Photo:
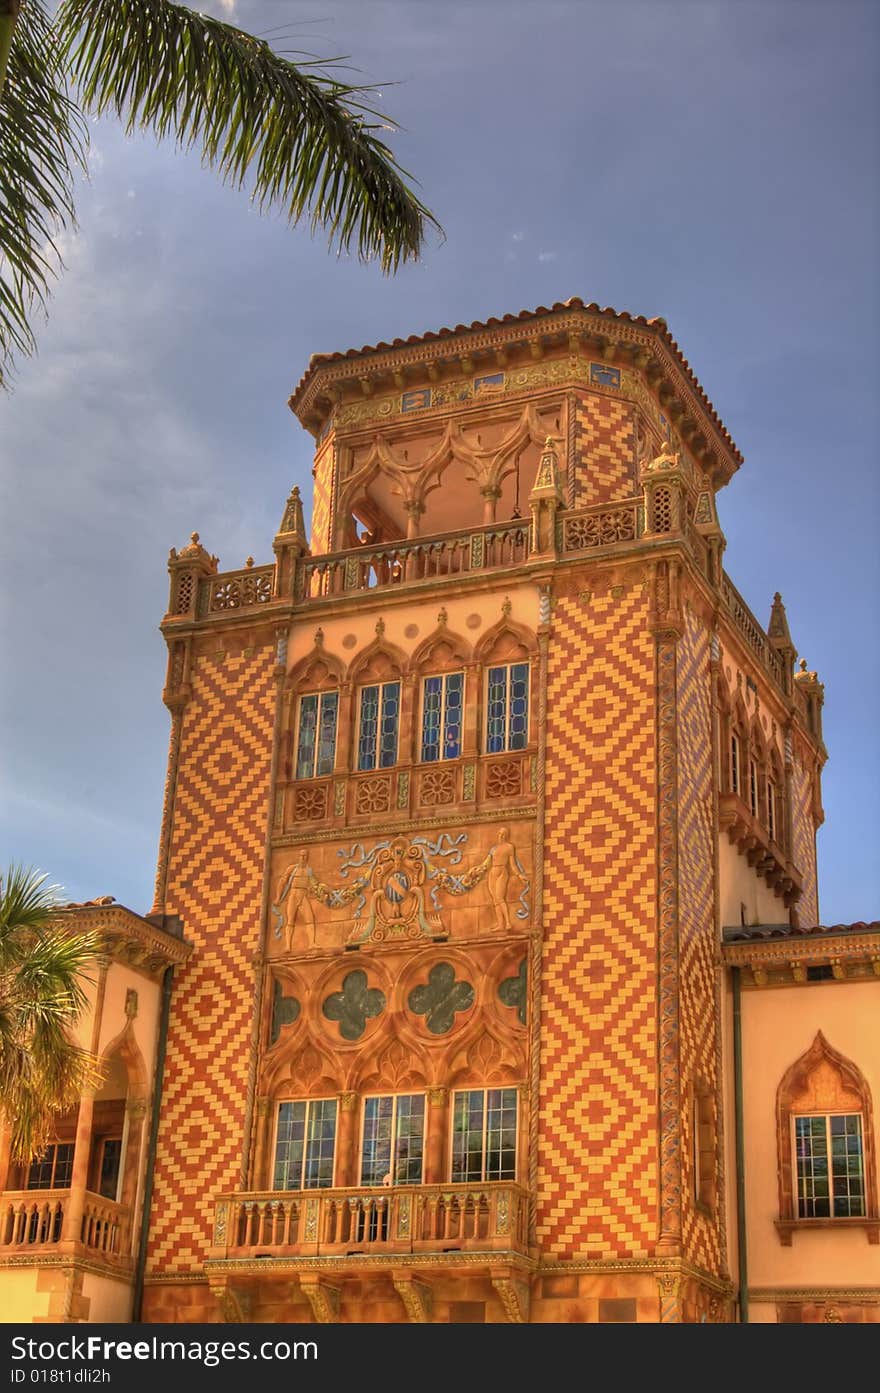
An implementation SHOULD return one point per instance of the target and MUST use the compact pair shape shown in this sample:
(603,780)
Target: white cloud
(546,256)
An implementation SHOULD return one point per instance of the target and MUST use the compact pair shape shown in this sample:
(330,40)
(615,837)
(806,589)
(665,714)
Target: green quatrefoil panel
(512,992)
(440,998)
(354,1005)
(285,1010)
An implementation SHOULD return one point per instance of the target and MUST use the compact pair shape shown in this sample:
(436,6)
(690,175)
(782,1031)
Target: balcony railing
(422,558)
(405,1219)
(32,1221)
(752,632)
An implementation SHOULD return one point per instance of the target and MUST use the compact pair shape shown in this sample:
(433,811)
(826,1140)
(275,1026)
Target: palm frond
(42,140)
(308,142)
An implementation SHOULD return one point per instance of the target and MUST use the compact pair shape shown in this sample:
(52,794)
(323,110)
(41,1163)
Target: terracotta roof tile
(754,932)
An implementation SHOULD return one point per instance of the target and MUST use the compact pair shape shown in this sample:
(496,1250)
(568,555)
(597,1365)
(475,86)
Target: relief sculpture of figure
(503,863)
(296,886)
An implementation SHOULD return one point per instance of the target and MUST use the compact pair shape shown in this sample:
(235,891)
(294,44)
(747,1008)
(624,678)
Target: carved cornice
(866,1295)
(127,937)
(784,960)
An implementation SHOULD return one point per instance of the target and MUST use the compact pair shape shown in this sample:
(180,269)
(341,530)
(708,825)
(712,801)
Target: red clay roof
(753,933)
(318,360)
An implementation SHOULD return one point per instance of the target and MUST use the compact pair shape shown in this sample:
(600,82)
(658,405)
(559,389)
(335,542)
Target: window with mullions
(316,741)
(111,1161)
(830,1166)
(442,699)
(377,728)
(484,1134)
(52,1170)
(507,709)
(305,1144)
(393,1139)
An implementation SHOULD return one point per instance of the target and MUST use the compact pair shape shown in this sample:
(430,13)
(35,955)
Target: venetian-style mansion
(484,979)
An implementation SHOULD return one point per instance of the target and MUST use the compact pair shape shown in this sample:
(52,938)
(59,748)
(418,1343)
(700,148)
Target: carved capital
(348,1102)
(236,1303)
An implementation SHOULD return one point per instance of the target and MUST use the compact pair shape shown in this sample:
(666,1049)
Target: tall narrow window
(316,741)
(377,728)
(753,788)
(507,710)
(393,1140)
(772,797)
(305,1144)
(52,1170)
(441,716)
(734,765)
(830,1166)
(108,1175)
(484,1134)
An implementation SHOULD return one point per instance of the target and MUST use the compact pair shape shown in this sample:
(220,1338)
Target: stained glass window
(442,699)
(484,1134)
(316,740)
(305,1144)
(830,1166)
(52,1170)
(393,1139)
(378,726)
(507,710)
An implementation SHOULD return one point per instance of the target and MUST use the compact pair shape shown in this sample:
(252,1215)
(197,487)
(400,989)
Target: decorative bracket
(236,1303)
(515,1294)
(323,1297)
(417,1297)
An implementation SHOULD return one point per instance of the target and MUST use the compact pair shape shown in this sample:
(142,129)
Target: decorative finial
(249,562)
(172,555)
(442,618)
(319,638)
(380,627)
(803,664)
(506,607)
(194,538)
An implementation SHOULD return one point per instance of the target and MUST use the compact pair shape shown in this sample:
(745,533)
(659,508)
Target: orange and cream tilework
(804,843)
(214,884)
(697,933)
(597,1153)
(604,451)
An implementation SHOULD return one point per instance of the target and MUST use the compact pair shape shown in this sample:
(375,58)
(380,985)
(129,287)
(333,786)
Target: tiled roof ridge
(742,933)
(318,360)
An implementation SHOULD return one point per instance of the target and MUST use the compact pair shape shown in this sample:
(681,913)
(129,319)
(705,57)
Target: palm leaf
(42,139)
(307,142)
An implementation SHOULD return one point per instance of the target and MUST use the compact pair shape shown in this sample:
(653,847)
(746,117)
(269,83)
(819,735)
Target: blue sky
(711,163)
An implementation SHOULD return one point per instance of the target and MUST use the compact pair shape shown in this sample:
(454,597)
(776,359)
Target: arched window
(825,1140)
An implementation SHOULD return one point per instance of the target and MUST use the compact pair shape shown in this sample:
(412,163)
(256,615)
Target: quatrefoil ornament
(441,998)
(354,1005)
(285,1010)
(512,992)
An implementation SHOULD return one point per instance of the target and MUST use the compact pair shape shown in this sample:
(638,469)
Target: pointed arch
(126,1048)
(443,650)
(392,1067)
(507,642)
(820,1083)
(318,671)
(380,661)
(302,1070)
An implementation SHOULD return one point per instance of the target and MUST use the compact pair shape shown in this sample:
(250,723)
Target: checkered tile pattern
(597,1151)
(604,451)
(321,505)
(697,949)
(804,844)
(214,882)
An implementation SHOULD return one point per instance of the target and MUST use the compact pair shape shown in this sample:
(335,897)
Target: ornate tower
(459,797)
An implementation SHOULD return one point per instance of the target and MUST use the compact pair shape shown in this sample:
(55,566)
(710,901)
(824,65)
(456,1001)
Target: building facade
(496,988)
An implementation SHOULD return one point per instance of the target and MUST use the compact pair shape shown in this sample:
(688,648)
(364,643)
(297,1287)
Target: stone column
(346,1156)
(76,1203)
(435,1136)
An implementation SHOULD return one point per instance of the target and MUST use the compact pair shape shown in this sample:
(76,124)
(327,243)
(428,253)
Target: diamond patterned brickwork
(321,503)
(214,882)
(697,947)
(597,1152)
(804,843)
(605,467)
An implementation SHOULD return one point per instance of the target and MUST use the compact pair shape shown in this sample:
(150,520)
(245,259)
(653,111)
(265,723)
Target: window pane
(409,1141)
(390,718)
(431,698)
(289,1146)
(40,1171)
(368,728)
(496,713)
(327,740)
(454,685)
(501,1134)
(377,1140)
(308,721)
(318,1170)
(829,1185)
(64,1165)
(467,1136)
(519,706)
